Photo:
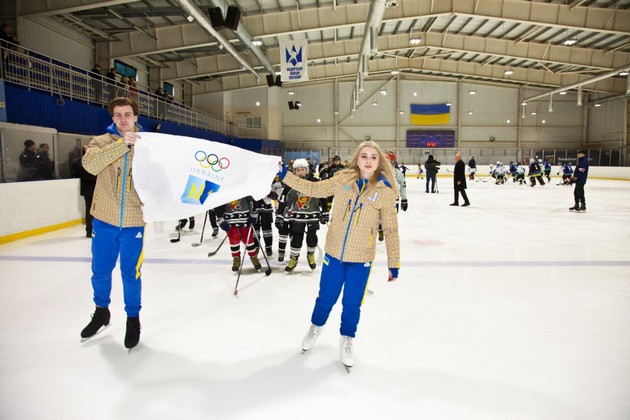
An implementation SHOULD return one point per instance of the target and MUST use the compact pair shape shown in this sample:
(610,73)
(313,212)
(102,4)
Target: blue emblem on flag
(293,56)
(198,189)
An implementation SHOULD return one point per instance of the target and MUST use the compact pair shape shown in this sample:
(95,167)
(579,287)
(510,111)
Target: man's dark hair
(121,101)
(28,143)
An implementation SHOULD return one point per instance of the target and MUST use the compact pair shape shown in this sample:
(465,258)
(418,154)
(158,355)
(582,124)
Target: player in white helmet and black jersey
(299,214)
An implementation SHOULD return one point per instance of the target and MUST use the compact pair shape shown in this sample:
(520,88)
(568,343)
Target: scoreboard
(430,138)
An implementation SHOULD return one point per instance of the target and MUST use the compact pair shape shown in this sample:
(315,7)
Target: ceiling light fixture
(395,72)
(472,92)
(623,73)
(257,42)
(508,72)
(383,92)
(569,42)
(374,103)
(189,18)
(291,92)
(564,92)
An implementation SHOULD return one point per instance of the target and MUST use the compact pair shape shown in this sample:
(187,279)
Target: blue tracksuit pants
(353,278)
(108,242)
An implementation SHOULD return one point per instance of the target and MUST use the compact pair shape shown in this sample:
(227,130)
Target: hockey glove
(252,219)
(393,274)
(403,204)
(224,225)
(273,195)
(324,218)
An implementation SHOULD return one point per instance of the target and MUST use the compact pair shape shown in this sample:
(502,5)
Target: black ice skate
(215,232)
(100,318)
(132,336)
(191,224)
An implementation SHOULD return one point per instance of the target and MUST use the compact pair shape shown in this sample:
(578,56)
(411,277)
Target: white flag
(177,177)
(293,60)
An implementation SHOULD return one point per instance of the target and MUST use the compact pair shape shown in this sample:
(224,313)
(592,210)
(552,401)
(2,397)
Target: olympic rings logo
(212,161)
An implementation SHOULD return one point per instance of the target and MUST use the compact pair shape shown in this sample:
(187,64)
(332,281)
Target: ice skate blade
(84,339)
(347,368)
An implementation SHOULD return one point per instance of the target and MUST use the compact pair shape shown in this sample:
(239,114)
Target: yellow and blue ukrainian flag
(432,114)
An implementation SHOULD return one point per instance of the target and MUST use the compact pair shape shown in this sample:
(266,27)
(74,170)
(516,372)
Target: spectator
(8,42)
(133,89)
(45,166)
(111,83)
(459,181)
(432,167)
(160,102)
(97,82)
(28,161)
(123,87)
(579,177)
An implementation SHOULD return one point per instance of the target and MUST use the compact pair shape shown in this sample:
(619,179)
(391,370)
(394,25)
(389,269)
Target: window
(168,88)
(124,70)
(253,122)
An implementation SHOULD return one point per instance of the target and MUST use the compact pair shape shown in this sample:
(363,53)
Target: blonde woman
(365,194)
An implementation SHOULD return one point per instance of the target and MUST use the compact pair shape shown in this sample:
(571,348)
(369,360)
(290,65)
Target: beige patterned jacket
(110,159)
(355,218)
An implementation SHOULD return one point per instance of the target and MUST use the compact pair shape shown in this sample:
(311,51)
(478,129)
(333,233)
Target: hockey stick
(240,267)
(211,253)
(179,236)
(268,271)
(203,229)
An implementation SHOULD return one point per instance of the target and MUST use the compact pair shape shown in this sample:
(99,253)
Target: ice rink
(512,308)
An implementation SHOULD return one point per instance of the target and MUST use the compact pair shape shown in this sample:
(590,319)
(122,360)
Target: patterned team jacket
(115,199)
(355,218)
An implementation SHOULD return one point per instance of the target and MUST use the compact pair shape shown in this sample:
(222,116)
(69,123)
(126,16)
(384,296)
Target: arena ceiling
(554,44)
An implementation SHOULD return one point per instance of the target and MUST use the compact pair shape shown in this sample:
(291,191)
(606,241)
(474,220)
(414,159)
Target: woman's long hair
(351,173)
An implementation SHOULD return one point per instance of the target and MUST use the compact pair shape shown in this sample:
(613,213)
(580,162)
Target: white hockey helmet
(300,163)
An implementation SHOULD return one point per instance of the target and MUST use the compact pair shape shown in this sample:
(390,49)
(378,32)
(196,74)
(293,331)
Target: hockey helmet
(300,163)
(391,156)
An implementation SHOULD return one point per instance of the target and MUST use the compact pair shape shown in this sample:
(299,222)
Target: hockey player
(513,172)
(500,173)
(567,173)
(472,168)
(402,189)
(236,219)
(535,173)
(302,214)
(580,175)
(547,168)
(264,222)
(520,174)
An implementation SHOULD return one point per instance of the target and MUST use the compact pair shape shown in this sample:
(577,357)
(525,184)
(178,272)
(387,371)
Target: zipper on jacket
(359,215)
(345,238)
(122,200)
(347,208)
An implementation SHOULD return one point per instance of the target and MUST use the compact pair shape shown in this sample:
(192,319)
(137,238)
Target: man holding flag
(118,225)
